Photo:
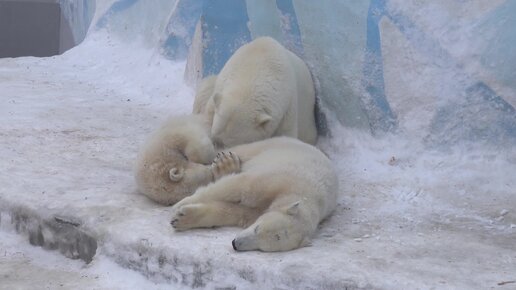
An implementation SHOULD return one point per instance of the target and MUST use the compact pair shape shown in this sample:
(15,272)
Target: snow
(55,113)
(24,267)
(408,216)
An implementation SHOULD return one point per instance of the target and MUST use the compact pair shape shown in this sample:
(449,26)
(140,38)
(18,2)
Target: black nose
(217,143)
(233,243)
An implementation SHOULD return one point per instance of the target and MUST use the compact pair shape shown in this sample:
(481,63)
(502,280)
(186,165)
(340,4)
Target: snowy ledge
(145,243)
(53,233)
(208,262)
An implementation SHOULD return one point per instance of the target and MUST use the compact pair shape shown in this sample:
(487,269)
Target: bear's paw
(225,163)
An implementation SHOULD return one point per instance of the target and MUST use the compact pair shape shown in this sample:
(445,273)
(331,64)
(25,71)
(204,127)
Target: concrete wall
(42,27)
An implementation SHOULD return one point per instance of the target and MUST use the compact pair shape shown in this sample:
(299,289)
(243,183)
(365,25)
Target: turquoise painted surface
(79,14)
(500,56)
(342,41)
(472,111)
(117,7)
(290,27)
(264,19)
(181,27)
(334,42)
(224,31)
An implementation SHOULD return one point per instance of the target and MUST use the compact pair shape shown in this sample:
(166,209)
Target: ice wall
(440,71)
(78,15)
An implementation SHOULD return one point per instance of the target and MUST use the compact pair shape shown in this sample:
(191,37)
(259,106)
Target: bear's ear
(176,174)
(216,99)
(263,119)
(293,209)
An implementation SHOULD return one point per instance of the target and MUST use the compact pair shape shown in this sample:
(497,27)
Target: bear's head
(174,161)
(276,230)
(240,121)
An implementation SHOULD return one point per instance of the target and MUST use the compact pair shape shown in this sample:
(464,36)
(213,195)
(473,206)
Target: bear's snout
(217,142)
(246,243)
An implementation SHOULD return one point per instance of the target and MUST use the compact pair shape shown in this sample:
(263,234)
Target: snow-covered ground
(23,266)
(70,126)
(55,113)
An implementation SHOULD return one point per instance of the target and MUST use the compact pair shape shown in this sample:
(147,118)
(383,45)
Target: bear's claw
(224,164)
(186,217)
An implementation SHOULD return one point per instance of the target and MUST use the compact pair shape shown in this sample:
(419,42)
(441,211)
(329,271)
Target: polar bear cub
(175,160)
(263,90)
(285,188)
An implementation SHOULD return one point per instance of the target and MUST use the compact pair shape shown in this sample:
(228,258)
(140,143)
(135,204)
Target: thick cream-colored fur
(264,90)
(284,189)
(175,160)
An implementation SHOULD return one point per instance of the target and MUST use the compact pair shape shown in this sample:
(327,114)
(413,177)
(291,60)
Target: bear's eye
(256,229)
(183,155)
(277,237)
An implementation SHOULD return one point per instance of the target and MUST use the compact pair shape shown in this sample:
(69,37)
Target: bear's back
(288,156)
(306,171)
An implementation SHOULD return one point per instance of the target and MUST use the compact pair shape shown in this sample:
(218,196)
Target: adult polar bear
(285,188)
(263,90)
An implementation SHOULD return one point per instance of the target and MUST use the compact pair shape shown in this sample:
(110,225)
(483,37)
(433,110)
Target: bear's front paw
(224,164)
(186,217)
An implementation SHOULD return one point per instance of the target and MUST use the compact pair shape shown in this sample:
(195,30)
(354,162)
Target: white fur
(203,94)
(264,90)
(285,188)
(172,163)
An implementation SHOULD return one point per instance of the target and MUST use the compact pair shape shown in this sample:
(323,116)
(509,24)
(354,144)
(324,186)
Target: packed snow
(23,266)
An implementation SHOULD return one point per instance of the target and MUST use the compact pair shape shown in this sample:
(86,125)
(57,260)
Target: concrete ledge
(209,262)
(63,234)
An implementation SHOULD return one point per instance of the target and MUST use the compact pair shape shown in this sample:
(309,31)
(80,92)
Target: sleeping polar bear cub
(285,188)
(172,163)
(263,90)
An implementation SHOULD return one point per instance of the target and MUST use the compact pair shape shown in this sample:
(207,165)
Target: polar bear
(204,91)
(285,188)
(263,90)
(175,160)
